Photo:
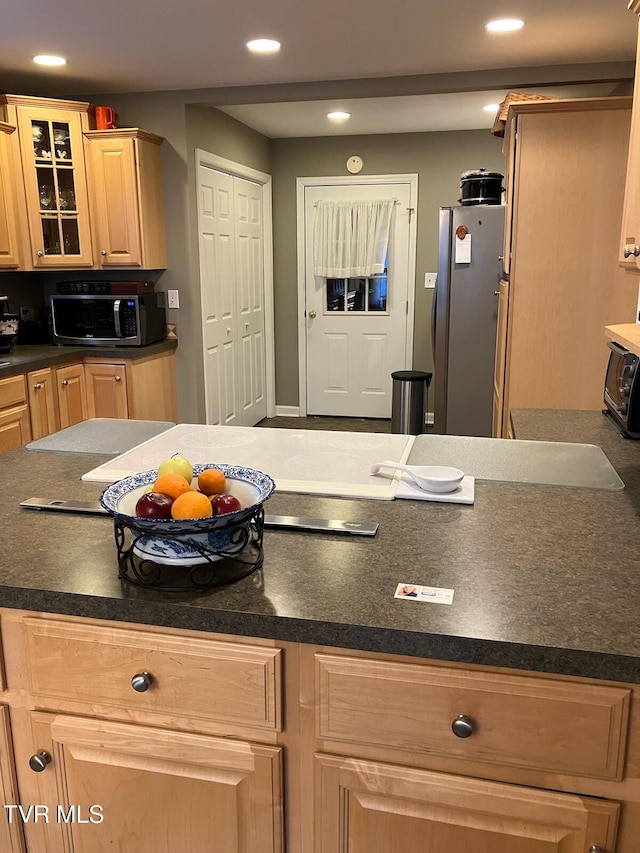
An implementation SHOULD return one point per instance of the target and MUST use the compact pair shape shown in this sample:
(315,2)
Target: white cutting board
(319,462)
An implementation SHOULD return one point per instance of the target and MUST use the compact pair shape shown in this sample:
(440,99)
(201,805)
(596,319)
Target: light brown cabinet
(629,255)
(51,152)
(15,428)
(71,394)
(359,746)
(43,409)
(565,282)
(10,251)
(142,389)
(191,762)
(127,209)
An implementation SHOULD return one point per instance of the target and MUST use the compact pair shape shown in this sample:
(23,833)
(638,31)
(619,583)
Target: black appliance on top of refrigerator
(464,318)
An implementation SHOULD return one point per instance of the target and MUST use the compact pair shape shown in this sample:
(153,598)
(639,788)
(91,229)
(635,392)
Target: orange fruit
(171,484)
(191,504)
(212,481)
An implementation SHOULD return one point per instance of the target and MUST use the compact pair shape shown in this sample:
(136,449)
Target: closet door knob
(312,314)
(39,761)
(462,726)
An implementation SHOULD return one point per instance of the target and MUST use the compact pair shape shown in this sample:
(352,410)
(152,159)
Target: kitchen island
(341,687)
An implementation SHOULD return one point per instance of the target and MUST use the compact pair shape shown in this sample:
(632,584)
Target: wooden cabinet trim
(538,724)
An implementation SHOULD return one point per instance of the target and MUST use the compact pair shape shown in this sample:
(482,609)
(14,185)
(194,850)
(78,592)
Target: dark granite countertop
(25,357)
(545,577)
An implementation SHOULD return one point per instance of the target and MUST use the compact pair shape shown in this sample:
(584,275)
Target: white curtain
(350,238)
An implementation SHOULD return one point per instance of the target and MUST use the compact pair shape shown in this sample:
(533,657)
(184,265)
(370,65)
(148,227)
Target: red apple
(154,505)
(225,503)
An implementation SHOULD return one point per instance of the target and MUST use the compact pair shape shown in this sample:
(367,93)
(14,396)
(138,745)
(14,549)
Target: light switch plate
(173,299)
(430,280)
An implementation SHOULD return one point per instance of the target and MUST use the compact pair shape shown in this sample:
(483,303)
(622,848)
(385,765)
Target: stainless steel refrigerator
(464,316)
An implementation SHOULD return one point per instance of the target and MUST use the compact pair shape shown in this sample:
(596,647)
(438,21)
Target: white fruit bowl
(171,541)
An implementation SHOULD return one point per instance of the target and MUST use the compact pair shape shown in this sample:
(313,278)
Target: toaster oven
(622,389)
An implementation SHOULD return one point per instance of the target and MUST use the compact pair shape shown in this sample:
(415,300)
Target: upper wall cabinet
(83,199)
(51,150)
(630,237)
(9,227)
(126,198)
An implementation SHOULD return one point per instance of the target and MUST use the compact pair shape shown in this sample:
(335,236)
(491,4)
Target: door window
(357,295)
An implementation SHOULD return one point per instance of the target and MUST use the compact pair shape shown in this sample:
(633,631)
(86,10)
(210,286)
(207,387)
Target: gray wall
(438,159)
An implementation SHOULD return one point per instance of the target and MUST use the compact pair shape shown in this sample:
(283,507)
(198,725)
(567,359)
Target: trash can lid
(412,376)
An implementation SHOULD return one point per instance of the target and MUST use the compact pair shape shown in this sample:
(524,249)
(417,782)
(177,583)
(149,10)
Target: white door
(356,329)
(232,293)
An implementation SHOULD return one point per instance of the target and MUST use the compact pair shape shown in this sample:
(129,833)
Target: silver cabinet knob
(142,681)
(39,761)
(631,250)
(312,313)
(462,726)
(65,382)
(103,253)
(595,849)
(496,293)
(118,378)
(39,254)
(37,386)
(501,257)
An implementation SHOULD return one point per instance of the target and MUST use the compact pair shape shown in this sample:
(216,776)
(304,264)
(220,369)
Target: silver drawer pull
(142,681)
(631,250)
(462,726)
(39,761)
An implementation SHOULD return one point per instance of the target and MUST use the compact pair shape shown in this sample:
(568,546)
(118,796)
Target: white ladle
(429,478)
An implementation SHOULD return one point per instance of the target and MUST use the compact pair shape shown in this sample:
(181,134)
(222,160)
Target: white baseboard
(288,411)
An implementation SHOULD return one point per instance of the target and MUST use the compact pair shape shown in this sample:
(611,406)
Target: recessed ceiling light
(504,25)
(338,115)
(44,59)
(263,46)
(491,108)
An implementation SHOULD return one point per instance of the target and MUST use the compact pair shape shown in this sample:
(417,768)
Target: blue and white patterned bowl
(219,532)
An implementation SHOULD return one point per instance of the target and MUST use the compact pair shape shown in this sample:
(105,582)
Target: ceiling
(390,64)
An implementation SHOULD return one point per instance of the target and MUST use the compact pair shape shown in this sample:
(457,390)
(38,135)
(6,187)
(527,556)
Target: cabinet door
(9,246)
(153,791)
(127,206)
(115,201)
(106,390)
(72,396)
(14,427)
(42,402)
(51,148)
(500,405)
(367,807)
(11,834)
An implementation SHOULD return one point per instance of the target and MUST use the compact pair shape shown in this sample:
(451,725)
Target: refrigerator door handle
(433,323)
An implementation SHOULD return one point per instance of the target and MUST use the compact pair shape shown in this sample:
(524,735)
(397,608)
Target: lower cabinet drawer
(184,676)
(537,723)
(13,391)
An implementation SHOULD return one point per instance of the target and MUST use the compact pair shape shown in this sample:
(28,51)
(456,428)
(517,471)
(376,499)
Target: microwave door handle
(116,317)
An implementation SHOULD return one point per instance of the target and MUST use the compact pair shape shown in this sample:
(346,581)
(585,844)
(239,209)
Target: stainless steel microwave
(106,319)
(622,389)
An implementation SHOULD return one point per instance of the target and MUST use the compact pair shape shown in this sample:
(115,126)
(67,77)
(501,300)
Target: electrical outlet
(26,312)
(174,299)
(171,330)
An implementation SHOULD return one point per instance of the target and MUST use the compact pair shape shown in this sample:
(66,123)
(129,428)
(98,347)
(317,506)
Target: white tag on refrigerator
(463,250)
(430,594)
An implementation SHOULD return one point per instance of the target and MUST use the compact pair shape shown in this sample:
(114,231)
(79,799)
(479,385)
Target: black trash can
(408,401)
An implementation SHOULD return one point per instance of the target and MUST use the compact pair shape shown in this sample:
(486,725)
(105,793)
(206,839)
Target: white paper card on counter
(463,250)
(428,594)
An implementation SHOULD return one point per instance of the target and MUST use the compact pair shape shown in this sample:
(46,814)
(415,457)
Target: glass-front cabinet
(53,166)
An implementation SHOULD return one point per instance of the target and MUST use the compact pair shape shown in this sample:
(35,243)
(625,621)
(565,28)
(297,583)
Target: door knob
(39,761)
(312,314)
(142,681)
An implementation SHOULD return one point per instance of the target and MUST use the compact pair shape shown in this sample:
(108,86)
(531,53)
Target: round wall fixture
(355,164)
